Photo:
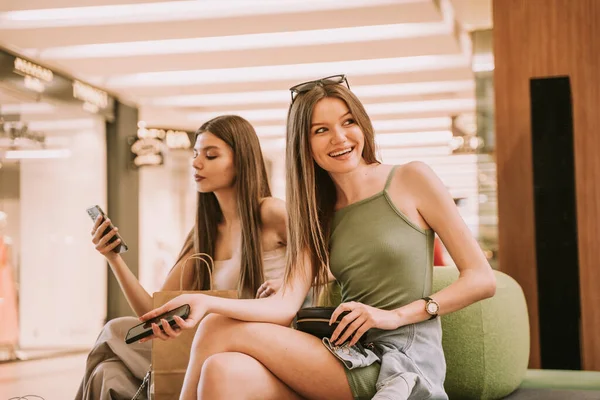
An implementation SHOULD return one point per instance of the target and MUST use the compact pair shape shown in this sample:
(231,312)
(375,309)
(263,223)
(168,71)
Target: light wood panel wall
(538,38)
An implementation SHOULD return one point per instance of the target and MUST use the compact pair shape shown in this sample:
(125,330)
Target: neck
(351,186)
(227,199)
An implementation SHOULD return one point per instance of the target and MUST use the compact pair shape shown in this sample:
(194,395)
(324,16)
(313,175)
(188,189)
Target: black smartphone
(145,328)
(94,212)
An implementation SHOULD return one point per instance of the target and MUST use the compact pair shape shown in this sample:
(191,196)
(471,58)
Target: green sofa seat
(561,379)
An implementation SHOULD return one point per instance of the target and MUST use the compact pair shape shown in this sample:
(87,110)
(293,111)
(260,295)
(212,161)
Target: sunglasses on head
(306,86)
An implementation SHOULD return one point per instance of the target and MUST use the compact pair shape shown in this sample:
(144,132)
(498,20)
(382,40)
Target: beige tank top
(226,273)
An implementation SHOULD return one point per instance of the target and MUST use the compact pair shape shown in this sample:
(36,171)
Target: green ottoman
(486,344)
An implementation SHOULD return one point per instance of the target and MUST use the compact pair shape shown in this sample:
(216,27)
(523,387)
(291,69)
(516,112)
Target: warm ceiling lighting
(243,42)
(283,96)
(295,72)
(168,11)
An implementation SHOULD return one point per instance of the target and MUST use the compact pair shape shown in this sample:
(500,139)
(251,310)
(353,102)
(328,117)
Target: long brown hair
(310,193)
(251,186)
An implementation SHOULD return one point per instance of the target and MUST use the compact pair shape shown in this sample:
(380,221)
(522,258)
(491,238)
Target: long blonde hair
(252,185)
(310,193)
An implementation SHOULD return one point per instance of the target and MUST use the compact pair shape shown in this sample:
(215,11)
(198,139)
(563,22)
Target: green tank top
(378,256)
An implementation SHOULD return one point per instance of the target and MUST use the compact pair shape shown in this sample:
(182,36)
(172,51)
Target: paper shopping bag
(170,358)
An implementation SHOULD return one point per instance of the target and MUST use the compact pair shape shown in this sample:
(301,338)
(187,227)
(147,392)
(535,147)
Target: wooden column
(533,39)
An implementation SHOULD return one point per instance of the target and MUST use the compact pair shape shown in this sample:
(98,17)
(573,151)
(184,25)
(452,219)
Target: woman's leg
(297,359)
(112,359)
(238,376)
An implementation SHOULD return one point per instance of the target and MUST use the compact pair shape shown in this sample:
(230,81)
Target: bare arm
(476,280)
(137,297)
(277,309)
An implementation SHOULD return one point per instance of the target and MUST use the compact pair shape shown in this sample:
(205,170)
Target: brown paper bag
(170,358)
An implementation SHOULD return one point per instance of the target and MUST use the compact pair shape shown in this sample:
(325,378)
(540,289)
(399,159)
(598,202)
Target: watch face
(432,308)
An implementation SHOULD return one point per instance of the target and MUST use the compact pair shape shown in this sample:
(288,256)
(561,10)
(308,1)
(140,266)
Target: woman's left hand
(360,319)
(269,288)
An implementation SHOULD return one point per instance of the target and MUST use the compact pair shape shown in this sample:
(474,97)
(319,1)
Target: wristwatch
(431,307)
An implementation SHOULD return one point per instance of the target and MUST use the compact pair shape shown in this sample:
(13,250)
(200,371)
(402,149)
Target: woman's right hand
(101,241)
(198,310)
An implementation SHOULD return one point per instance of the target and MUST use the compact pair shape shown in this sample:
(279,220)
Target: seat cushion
(486,344)
(561,380)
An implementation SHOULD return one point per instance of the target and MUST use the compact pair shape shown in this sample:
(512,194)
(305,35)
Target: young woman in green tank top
(369,224)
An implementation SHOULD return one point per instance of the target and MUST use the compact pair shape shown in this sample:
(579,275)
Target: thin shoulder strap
(389,178)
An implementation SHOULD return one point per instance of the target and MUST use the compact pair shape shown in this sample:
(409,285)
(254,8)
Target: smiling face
(213,163)
(336,140)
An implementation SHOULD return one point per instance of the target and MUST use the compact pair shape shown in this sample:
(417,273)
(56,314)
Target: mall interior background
(99,101)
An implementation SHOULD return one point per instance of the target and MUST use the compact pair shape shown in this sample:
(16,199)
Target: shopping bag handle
(200,257)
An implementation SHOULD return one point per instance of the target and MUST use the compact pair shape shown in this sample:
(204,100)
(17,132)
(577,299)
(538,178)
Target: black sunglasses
(306,86)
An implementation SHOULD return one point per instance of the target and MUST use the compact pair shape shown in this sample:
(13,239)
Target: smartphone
(145,328)
(94,212)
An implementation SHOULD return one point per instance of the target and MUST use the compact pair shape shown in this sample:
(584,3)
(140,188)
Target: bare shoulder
(415,172)
(413,178)
(273,212)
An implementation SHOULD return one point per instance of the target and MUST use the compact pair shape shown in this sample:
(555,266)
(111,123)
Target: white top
(226,273)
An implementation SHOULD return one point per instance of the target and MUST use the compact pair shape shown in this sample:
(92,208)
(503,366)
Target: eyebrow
(206,148)
(321,123)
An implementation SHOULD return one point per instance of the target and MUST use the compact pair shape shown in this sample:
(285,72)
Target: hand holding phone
(104,234)
(145,328)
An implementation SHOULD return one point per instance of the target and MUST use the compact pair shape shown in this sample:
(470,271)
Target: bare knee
(211,331)
(220,374)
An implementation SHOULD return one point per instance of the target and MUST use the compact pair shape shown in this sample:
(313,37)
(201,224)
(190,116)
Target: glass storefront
(53,167)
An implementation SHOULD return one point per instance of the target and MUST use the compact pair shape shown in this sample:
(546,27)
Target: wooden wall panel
(537,38)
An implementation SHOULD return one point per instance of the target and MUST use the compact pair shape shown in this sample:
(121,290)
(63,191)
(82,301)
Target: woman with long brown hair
(372,227)
(238,224)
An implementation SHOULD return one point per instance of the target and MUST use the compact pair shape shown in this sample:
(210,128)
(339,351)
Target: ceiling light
(167,11)
(296,72)
(282,96)
(244,42)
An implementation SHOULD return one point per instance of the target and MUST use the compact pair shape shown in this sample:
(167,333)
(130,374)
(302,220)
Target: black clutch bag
(315,320)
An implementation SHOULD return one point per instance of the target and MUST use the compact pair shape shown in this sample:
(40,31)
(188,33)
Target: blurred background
(99,101)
